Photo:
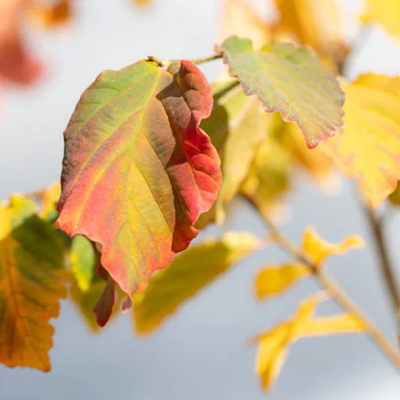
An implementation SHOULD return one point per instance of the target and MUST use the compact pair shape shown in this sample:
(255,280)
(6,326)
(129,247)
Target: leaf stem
(386,266)
(334,290)
(163,63)
(206,59)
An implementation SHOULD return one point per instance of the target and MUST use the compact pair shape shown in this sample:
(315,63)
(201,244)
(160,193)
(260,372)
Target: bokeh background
(201,353)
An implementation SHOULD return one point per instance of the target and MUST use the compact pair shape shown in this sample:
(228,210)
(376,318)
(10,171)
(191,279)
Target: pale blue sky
(201,353)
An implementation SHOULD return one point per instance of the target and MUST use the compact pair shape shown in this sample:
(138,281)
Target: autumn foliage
(153,153)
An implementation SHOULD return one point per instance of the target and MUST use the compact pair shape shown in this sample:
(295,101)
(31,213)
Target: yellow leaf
(369,148)
(240,18)
(314,162)
(275,279)
(386,13)
(335,324)
(274,344)
(315,23)
(32,281)
(49,199)
(318,249)
(188,273)
(270,172)
(271,355)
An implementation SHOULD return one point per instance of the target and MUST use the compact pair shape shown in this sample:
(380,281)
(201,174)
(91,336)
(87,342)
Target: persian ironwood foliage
(153,153)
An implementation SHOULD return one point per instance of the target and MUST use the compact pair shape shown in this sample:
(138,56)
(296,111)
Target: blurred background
(201,352)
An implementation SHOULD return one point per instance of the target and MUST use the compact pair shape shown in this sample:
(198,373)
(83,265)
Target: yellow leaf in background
(83,261)
(271,355)
(318,249)
(274,344)
(315,23)
(188,273)
(394,197)
(369,148)
(52,14)
(315,163)
(386,13)
(241,19)
(335,324)
(275,279)
(49,198)
(270,172)
(32,281)
(236,127)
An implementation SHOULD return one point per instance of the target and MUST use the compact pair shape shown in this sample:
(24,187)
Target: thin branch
(387,268)
(335,291)
(163,63)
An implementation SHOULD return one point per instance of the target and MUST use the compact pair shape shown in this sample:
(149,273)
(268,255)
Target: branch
(387,269)
(163,63)
(334,290)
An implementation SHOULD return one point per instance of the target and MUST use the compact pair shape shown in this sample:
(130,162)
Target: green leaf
(82,258)
(289,80)
(187,275)
(32,281)
(236,126)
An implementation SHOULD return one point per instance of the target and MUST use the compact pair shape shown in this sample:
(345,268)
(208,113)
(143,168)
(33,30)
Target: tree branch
(387,269)
(334,290)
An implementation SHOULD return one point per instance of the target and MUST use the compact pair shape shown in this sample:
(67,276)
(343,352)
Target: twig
(334,290)
(387,269)
(163,63)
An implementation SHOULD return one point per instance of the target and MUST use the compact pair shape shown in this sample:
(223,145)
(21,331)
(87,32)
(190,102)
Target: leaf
(314,23)
(369,148)
(318,249)
(291,81)
(16,64)
(316,164)
(187,275)
(238,17)
(394,198)
(82,259)
(137,170)
(57,13)
(236,127)
(49,198)
(85,302)
(271,171)
(386,13)
(103,308)
(32,281)
(274,344)
(275,279)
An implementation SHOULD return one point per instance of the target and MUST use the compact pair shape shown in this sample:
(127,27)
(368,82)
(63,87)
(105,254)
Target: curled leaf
(137,169)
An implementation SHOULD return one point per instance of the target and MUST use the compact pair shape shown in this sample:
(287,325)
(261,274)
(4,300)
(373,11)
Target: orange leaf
(32,281)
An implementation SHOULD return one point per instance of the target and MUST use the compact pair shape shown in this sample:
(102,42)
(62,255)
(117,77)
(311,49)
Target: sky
(202,352)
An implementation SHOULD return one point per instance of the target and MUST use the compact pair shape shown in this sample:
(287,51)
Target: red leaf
(16,64)
(138,170)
